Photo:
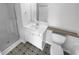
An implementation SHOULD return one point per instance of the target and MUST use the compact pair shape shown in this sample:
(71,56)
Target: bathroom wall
(64,16)
(60,15)
(28,11)
(8,27)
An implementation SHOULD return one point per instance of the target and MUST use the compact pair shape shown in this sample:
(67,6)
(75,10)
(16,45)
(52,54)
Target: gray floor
(29,49)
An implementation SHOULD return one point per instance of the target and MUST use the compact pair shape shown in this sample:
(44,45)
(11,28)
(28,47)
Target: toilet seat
(56,49)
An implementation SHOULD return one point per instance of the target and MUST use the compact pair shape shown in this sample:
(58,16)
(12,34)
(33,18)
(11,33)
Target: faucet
(37,24)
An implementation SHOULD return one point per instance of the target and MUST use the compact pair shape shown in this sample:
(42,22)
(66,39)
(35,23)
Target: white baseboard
(48,42)
(11,47)
(24,41)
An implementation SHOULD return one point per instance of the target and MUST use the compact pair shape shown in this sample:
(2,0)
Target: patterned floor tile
(29,49)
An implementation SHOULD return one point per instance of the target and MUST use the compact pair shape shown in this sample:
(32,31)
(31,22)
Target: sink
(37,26)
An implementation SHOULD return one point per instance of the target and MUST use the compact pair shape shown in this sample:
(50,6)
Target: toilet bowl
(56,49)
(56,40)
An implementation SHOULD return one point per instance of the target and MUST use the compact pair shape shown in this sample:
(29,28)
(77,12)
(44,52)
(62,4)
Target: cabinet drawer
(29,35)
(32,37)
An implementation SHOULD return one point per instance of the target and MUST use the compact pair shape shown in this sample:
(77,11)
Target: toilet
(56,41)
(72,45)
(56,49)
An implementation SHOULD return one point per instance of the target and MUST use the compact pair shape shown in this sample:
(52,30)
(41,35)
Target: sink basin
(37,26)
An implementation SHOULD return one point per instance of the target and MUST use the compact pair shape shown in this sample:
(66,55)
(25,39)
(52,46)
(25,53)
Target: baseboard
(67,51)
(11,47)
(24,41)
(48,42)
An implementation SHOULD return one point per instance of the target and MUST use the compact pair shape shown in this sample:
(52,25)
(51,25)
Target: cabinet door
(8,26)
(36,40)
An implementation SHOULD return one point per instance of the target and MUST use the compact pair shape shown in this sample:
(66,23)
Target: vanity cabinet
(34,34)
(36,37)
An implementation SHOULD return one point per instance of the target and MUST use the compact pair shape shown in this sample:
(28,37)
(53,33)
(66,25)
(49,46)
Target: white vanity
(35,33)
